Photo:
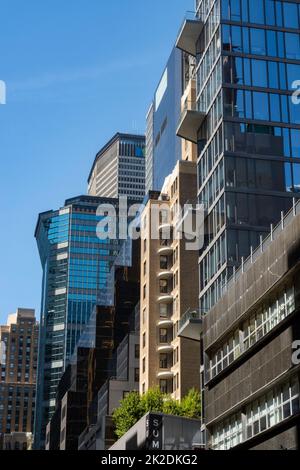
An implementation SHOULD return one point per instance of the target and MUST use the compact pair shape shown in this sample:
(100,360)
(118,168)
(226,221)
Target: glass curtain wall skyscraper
(163,147)
(76,264)
(245,123)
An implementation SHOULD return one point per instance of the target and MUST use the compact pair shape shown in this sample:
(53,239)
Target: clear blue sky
(76,71)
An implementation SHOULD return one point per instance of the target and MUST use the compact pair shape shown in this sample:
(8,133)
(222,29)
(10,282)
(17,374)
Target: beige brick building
(169,288)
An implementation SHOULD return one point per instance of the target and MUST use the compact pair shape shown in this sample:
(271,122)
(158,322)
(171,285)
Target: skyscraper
(169,288)
(245,124)
(18,362)
(119,168)
(163,147)
(76,264)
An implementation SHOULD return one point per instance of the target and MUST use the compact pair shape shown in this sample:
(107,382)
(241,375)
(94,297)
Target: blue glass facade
(76,265)
(248,57)
(165,148)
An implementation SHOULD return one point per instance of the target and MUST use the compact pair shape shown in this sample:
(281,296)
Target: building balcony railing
(165,348)
(165,274)
(189,33)
(165,374)
(190,324)
(165,322)
(165,298)
(190,120)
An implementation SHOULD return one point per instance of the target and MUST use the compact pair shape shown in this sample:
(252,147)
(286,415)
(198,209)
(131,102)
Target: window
(163,385)
(163,286)
(228,434)
(163,335)
(144,340)
(255,328)
(137,351)
(163,262)
(163,361)
(264,413)
(163,310)
(144,365)
(225,355)
(136,375)
(271,409)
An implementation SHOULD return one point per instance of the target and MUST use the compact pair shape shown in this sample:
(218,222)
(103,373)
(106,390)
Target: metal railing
(191,314)
(190,105)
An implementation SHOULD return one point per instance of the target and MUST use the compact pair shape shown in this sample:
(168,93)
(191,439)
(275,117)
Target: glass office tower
(245,123)
(163,147)
(76,264)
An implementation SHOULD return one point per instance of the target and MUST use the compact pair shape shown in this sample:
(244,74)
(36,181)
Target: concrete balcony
(190,325)
(190,121)
(165,323)
(165,348)
(165,274)
(189,33)
(165,298)
(165,226)
(165,374)
(165,248)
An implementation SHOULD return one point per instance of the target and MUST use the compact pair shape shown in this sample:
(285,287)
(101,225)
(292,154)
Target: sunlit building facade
(245,124)
(76,265)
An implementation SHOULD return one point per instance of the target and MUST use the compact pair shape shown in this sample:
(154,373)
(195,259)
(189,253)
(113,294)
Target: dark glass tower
(245,123)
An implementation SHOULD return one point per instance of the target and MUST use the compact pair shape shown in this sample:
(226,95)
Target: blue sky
(76,72)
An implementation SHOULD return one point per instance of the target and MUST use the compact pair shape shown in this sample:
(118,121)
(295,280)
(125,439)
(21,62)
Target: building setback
(18,363)
(245,124)
(119,168)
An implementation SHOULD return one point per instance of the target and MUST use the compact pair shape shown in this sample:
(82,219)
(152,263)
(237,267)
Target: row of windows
(260,106)
(211,296)
(260,73)
(213,117)
(214,221)
(272,408)
(252,330)
(213,261)
(211,23)
(209,58)
(210,156)
(262,174)
(214,185)
(268,12)
(261,42)
(262,140)
(211,87)
(254,209)
(128,149)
